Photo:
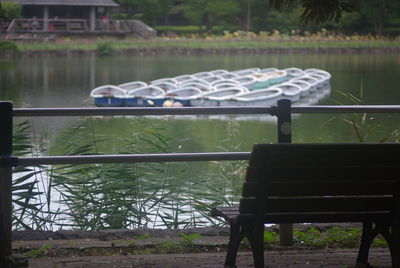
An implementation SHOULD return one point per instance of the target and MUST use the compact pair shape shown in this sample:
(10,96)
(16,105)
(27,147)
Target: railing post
(284,115)
(6,109)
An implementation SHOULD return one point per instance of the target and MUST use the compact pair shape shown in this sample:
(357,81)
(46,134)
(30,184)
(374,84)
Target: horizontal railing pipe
(131,158)
(346,109)
(33,112)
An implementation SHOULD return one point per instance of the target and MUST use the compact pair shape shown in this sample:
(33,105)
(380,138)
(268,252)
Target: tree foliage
(378,12)
(210,12)
(319,11)
(348,16)
(149,10)
(9,10)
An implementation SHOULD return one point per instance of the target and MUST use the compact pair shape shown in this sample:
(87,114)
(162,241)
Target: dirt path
(148,248)
(274,259)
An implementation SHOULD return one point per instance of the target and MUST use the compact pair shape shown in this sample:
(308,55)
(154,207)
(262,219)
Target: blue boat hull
(109,102)
(137,102)
(158,102)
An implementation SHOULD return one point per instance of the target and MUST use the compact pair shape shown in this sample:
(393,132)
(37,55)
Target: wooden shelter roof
(108,3)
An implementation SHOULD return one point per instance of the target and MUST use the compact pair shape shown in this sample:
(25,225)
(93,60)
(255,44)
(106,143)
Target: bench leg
(391,235)
(368,235)
(235,237)
(394,246)
(255,234)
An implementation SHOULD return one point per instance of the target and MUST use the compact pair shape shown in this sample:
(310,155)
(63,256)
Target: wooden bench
(316,183)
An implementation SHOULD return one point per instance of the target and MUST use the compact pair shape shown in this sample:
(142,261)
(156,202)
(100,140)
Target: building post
(284,115)
(92,19)
(5,182)
(46,18)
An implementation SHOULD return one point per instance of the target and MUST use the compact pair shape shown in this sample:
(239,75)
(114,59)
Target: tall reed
(31,192)
(115,195)
(365,127)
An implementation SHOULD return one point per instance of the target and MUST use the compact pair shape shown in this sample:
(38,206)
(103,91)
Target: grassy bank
(208,44)
(229,43)
(310,238)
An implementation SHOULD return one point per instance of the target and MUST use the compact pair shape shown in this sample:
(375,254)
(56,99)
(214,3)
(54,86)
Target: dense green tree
(319,11)
(343,15)
(266,18)
(129,6)
(377,13)
(150,10)
(259,15)
(245,15)
(210,12)
(194,11)
(9,10)
(347,16)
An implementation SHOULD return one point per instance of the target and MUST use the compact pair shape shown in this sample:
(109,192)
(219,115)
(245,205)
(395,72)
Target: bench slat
(314,183)
(318,188)
(319,204)
(314,217)
(315,173)
(325,154)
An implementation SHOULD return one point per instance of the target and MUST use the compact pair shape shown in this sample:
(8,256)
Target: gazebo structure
(73,17)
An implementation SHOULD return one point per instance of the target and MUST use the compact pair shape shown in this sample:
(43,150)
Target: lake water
(67,82)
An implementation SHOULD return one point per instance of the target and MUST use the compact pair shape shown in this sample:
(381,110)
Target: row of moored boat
(246,87)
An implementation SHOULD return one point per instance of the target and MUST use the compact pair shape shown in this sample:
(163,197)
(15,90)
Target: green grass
(37,253)
(312,238)
(207,44)
(335,237)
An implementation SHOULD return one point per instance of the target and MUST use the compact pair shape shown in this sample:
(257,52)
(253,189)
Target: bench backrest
(322,182)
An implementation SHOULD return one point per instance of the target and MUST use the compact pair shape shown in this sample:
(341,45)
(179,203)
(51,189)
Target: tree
(320,11)
(150,10)
(246,15)
(194,11)
(210,12)
(316,11)
(377,12)
(130,7)
(265,18)
(10,11)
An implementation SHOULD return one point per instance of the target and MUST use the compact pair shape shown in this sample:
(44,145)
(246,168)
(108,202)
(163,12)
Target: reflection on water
(66,82)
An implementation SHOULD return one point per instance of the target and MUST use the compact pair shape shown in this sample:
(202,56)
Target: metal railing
(283,111)
(76,26)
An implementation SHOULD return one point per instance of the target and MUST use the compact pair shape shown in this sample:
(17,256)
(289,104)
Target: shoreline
(329,245)
(186,51)
(113,234)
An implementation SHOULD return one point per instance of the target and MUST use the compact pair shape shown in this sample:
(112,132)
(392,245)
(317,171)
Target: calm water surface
(67,82)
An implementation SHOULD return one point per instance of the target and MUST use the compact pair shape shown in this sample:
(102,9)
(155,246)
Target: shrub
(105,49)
(9,46)
(119,16)
(192,29)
